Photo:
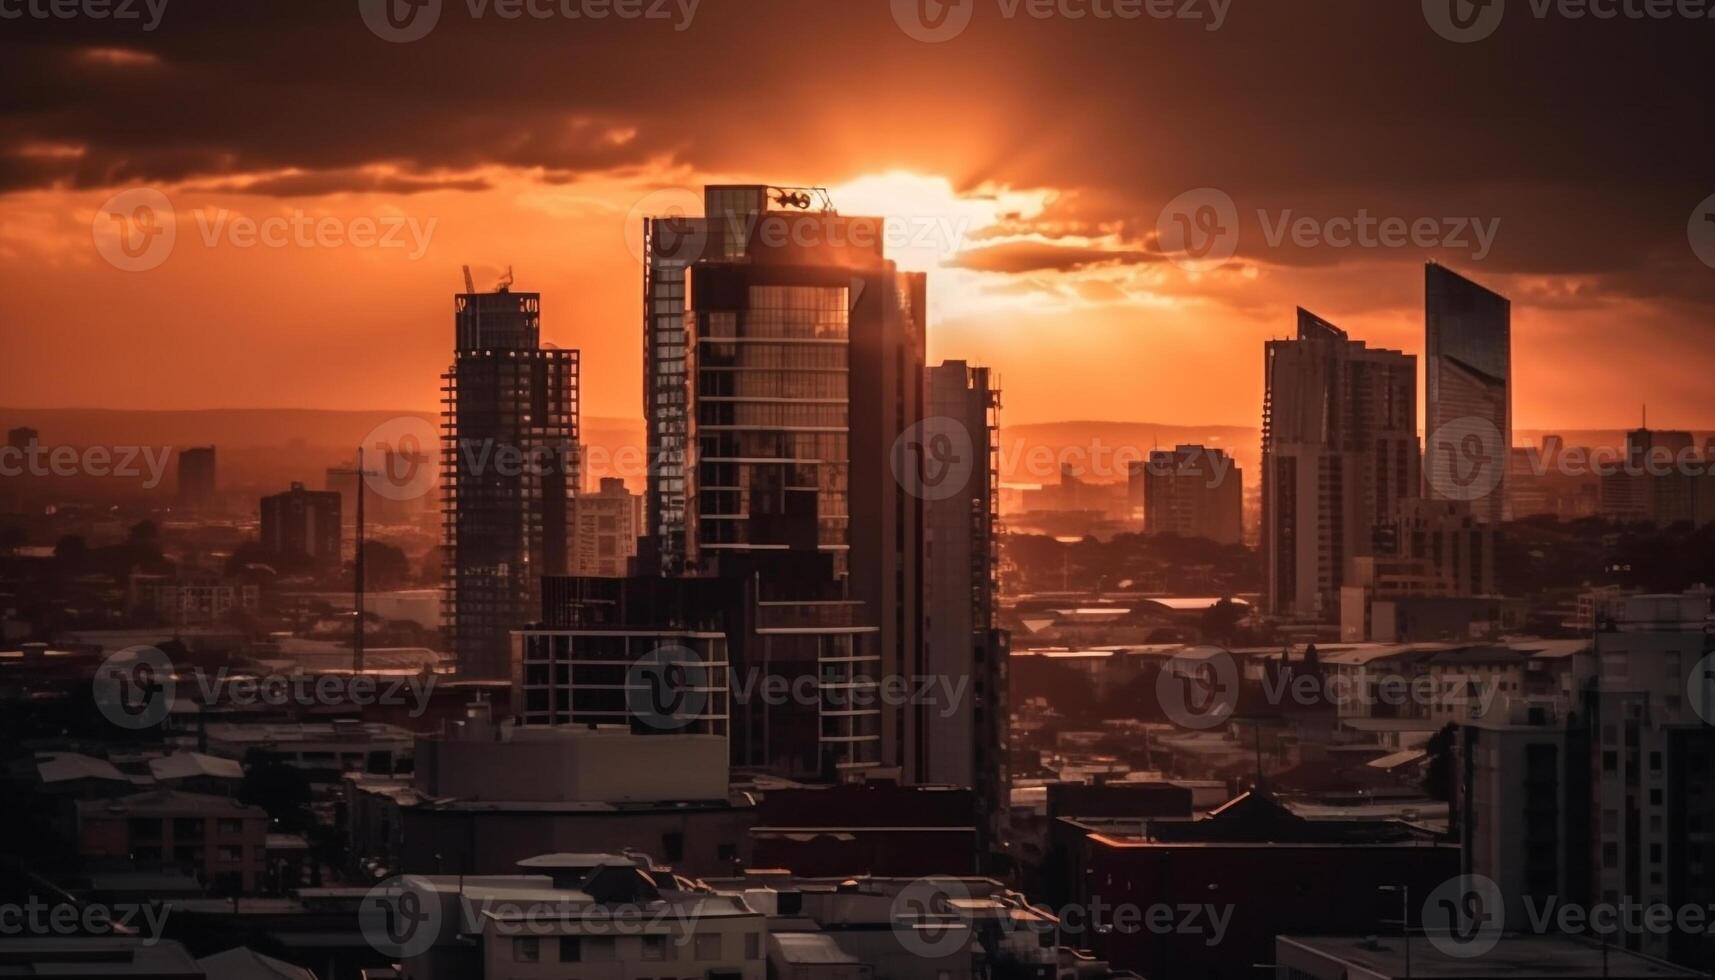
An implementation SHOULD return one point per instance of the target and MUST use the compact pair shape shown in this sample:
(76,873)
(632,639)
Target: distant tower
(1339,450)
(197,484)
(1468,385)
(509,469)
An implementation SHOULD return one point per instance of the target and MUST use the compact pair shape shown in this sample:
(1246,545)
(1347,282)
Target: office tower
(1447,536)
(965,742)
(1655,481)
(605,527)
(1339,451)
(1193,492)
(671,244)
(1468,391)
(196,478)
(809,368)
(303,523)
(508,469)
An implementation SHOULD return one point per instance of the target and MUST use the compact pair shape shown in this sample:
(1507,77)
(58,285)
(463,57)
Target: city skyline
(1026,248)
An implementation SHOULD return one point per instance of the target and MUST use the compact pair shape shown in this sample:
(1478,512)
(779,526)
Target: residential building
(605,526)
(197,483)
(1339,453)
(303,523)
(509,470)
(217,838)
(1402,957)
(1193,492)
(964,743)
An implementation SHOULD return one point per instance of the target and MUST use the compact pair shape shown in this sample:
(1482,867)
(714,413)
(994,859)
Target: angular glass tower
(1468,392)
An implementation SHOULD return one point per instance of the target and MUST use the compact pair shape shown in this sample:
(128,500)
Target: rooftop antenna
(505,283)
(359,475)
(469,283)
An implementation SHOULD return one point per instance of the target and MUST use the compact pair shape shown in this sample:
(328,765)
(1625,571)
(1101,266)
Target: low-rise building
(219,839)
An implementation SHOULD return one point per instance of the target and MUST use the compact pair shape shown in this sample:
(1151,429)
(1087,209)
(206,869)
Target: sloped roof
(246,964)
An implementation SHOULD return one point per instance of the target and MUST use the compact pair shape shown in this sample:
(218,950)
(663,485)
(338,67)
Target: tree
(1221,621)
(384,566)
(281,789)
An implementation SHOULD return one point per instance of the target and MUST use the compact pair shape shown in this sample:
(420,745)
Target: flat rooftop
(1514,957)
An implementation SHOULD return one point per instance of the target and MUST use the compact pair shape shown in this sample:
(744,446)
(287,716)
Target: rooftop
(1514,957)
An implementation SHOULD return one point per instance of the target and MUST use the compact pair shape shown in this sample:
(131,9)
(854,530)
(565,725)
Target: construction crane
(360,475)
(469,283)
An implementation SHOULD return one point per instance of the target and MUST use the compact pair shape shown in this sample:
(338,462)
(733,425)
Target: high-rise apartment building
(605,525)
(509,470)
(303,522)
(1662,480)
(1604,798)
(197,484)
(1468,392)
(964,744)
(1339,451)
(1192,492)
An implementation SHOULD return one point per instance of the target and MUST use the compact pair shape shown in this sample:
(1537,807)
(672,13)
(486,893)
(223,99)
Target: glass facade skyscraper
(1468,392)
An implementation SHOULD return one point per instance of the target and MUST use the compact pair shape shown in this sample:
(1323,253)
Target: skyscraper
(809,367)
(197,484)
(1468,391)
(509,469)
(1339,450)
(965,743)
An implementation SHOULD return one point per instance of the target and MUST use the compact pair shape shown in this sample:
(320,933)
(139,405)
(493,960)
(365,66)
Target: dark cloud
(1036,256)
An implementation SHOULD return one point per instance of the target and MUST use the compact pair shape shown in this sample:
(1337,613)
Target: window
(526,950)
(709,946)
(571,950)
(655,949)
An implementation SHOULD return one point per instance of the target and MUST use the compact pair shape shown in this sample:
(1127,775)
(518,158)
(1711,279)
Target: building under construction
(509,469)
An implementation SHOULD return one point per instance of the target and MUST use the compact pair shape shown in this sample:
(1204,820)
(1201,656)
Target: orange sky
(1032,196)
